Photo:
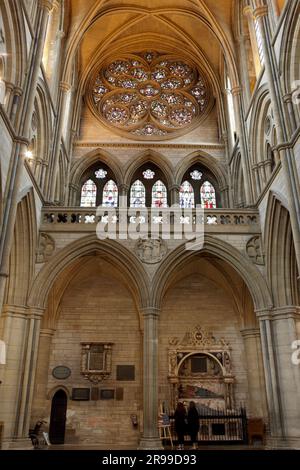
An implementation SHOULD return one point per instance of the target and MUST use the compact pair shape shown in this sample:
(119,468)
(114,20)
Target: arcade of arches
(184,113)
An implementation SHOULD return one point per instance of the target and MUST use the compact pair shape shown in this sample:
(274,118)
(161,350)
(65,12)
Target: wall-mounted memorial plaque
(61,372)
(107,394)
(125,372)
(81,394)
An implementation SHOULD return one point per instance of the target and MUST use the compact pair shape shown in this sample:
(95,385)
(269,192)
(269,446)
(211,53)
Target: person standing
(193,423)
(180,424)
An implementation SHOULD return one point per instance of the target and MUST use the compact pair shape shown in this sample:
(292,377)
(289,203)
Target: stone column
(54,158)
(123,195)
(256,59)
(270,372)
(285,333)
(16,98)
(174,194)
(287,157)
(56,66)
(17,159)
(150,439)
(20,331)
(244,69)
(41,378)
(288,100)
(237,102)
(255,374)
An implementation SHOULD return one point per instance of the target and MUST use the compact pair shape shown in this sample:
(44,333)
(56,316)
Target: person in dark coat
(193,423)
(180,424)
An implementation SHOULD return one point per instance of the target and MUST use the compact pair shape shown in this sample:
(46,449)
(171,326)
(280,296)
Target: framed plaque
(61,372)
(107,394)
(81,394)
(126,373)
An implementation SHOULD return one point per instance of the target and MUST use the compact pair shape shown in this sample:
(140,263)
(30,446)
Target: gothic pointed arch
(252,277)
(119,256)
(280,253)
(149,156)
(22,256)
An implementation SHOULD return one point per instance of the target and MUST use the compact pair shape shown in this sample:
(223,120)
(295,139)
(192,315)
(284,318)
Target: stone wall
(197,300)
(97,307)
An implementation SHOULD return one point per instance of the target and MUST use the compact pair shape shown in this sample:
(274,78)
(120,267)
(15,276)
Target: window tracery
(149,94)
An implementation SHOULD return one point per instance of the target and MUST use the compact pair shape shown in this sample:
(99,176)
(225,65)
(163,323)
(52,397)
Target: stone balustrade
(60,219)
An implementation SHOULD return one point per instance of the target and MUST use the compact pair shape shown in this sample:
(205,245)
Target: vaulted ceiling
(201,29)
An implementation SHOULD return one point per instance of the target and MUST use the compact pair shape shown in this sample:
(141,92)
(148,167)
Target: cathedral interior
(150,215)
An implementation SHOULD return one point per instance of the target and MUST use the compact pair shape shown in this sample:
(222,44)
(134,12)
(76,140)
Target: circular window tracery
(150,94)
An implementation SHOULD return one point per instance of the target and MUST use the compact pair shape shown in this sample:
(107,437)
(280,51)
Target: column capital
(175,187)
(36,312)
(247,10)
(288,98)
(260,11)
(150,312)
(15,311)
(124,188)
(47,4)
(264,313)
(64,86)
(285,312)
(250,332)
(47,332)
(60,34)
(236,90)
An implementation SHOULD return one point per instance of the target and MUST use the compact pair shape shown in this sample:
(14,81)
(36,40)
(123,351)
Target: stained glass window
(150,95)
(148,174)
(196,175)
(110,194)
(101,174)
(159,195)
(186,196)
(88,194)
(208,196)
(137,194)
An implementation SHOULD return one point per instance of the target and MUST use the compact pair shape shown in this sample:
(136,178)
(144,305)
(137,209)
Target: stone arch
(40,132)
(120,257)
(153,157)
(263,132)
(55,389)
(15,39)
(210,162)
(251,276)
(280,253)
(22,256)
(289,54)
(204,15)
(81,165)
(239,197)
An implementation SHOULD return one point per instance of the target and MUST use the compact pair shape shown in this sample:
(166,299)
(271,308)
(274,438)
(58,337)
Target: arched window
(102,185)
(110,194)
(208,196)
(159,195)
(186,196)
(199,187)
(138,194)
(88,194)
(149,187)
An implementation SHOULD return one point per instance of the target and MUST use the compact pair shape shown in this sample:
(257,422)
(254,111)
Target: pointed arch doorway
(58,417)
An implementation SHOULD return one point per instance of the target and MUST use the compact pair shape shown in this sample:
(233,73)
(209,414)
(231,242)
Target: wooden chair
(256,429)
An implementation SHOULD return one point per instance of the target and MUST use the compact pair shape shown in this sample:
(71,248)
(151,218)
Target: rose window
(150,95)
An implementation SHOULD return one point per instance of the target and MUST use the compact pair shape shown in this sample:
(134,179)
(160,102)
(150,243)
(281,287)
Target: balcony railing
(60,219)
